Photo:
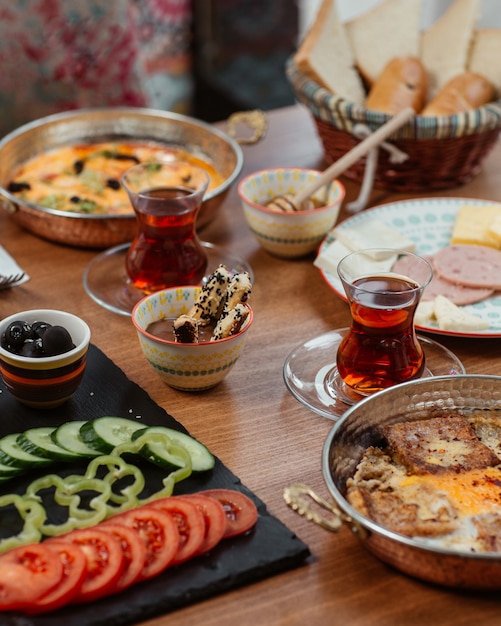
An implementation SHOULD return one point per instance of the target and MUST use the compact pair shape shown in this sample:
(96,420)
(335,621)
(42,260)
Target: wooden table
(254,424)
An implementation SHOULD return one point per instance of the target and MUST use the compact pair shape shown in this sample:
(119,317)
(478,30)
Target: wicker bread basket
(443,152)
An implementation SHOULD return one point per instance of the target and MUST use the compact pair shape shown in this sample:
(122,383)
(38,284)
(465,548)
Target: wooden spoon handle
(351,157)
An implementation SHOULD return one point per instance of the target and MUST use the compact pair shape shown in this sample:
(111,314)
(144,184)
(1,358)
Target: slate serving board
(268,549)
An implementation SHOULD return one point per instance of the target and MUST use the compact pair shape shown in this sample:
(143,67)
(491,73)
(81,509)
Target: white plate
(428,223)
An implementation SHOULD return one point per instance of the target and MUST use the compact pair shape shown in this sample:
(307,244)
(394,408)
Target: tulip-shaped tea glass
(380,349)
(166,251)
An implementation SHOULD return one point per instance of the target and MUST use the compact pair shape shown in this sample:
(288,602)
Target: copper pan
(101,231)
(343,449)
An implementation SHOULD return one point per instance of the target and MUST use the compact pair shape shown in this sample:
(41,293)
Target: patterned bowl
(184,366)
(288,234)
(46,382)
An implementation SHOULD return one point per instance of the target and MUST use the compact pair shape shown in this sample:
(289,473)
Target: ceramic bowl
(46,382)
(184,366)
(288,234)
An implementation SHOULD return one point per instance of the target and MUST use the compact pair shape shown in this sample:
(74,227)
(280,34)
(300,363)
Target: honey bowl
(289,234)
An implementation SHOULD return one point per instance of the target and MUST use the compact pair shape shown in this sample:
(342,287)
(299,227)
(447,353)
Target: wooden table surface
(252,422)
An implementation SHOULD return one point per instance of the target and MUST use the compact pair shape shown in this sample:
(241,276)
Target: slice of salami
(469,265)
(439,286)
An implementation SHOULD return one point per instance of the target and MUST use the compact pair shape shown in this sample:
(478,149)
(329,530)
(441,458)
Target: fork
(9,281)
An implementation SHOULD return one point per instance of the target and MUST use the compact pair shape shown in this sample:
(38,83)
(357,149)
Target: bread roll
(402,83)
(464,92)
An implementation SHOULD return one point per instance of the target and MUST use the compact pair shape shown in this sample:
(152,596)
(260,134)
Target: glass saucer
(107,283)
(311,375)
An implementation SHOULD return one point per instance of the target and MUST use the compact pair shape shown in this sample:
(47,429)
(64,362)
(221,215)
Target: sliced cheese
(328,260)
(451,317)
(474,224)
(373,233)
(425,313)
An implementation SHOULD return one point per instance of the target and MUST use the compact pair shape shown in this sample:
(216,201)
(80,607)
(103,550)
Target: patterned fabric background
(57,55)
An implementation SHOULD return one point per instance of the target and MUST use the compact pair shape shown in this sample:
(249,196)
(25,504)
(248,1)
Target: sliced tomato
(241,512)
(74,572)
(214,517)
(134,551)
(26,574)
(158,531)
(190,524)
(105,562)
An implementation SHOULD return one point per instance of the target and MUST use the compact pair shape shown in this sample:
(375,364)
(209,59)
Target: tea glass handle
(255,120)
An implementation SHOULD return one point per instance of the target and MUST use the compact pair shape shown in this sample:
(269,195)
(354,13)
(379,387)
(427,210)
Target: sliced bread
(325,55)
(445,45)
(485,54)
(390,29)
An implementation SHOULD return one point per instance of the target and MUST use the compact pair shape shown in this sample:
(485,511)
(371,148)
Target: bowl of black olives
(43,353)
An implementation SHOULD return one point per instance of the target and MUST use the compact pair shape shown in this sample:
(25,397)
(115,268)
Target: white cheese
(330,256)
(451,317)
(425,313)
(373,233)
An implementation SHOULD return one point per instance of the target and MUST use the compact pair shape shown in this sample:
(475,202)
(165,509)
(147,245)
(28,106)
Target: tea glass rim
(199,189)
(349,280)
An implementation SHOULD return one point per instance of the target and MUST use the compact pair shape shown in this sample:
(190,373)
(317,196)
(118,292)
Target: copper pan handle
(255,120)
(302,499)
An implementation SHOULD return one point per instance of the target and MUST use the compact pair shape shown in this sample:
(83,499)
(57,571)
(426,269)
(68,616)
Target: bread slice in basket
(390,29)
(325,55)
(446,43)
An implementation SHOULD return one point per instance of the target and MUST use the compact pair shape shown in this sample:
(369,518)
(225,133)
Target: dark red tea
(166,251)
(381,348)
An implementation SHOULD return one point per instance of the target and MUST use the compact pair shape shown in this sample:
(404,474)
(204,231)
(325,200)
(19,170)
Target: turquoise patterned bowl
(288,234)
(49,381)
(184,366)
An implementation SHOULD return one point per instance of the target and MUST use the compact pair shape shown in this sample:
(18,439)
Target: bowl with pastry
(282,226)
(414,473)
(43,355)
(386,61)
(193,336)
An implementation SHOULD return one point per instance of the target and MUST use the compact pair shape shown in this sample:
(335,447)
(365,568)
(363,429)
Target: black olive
(113,183)
(120,156)
(56,340)
(32,347)
(15,335)
(78,166)
(75,199)
(38,329)
(15,187)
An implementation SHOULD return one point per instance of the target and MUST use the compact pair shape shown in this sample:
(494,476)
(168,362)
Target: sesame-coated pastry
(186,329)
(238,291)
(231,323)
(211,299)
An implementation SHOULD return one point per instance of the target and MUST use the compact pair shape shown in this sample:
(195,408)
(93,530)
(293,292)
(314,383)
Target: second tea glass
(381,348)
(332,371)
(166,251)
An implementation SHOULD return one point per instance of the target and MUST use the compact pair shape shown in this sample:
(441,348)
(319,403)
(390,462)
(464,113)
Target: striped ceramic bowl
(289,234)
(46,382)
(184,366)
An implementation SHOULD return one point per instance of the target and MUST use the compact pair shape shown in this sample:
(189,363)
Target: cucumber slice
(105,433)
(39,441)
(67,436)
(201,459)
(9,471)
(11,453)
